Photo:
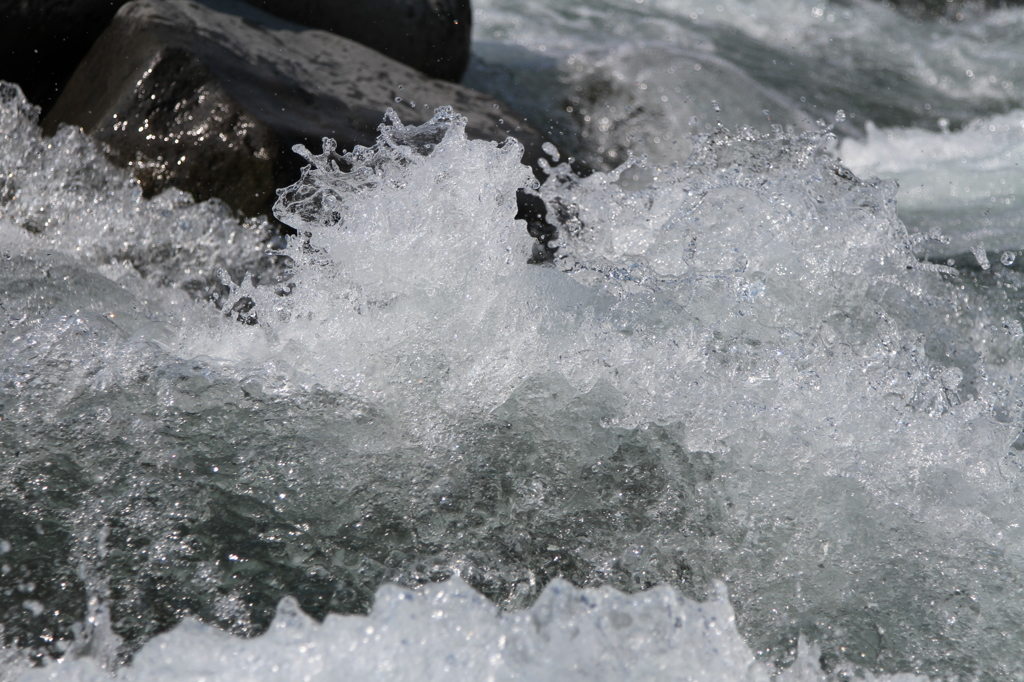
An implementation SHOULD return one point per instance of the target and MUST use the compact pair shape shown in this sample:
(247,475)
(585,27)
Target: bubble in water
(1007,258)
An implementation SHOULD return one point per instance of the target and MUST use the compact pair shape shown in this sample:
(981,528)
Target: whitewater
(760,418)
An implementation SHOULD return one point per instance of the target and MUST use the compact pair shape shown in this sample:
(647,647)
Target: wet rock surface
(211,97)
(42,41)
(430,35)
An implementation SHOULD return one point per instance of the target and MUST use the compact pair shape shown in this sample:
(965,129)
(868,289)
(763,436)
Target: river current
(762,416)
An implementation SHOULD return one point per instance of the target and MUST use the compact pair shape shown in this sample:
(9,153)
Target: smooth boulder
(430,35)
(42,41)
(211,96)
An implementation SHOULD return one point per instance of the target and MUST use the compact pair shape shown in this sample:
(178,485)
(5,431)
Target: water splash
(740,371)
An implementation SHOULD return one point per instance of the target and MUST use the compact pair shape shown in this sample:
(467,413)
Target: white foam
(449,632)
(967,184)
(622,75)
(819,407)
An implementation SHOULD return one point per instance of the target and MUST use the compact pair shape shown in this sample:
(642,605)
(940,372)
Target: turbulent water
(761,416)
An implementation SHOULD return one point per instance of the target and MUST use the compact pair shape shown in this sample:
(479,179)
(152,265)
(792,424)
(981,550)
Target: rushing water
(763,412)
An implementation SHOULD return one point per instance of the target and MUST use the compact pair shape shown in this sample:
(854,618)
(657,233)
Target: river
(761,416)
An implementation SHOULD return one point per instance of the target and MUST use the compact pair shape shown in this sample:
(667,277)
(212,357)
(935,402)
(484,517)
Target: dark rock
(534,212)
(210,97)
(430,35)
(951,9)
(42,41)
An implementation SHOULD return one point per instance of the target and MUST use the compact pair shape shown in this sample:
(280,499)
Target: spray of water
(740,371)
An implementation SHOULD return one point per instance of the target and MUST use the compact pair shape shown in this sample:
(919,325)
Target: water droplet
(551,150)
(981,257)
